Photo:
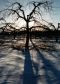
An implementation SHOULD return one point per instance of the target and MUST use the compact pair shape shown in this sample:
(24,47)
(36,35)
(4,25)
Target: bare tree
(56,29)
(36,10)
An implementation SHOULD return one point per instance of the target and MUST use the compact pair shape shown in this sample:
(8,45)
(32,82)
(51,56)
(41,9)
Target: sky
(53,16)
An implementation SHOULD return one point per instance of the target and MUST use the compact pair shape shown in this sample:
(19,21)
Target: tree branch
(44,27)
(37,5)
(19,8)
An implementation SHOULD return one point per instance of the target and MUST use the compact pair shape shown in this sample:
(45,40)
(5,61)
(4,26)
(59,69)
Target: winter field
(38,65)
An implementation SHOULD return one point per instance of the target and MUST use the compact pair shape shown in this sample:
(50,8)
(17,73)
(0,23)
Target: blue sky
(56,11)
(54,16)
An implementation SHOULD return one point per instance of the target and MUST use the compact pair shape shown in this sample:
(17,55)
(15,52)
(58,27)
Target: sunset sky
(53,16)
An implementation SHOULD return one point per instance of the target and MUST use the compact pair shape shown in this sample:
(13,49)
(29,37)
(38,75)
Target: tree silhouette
(56,29)
(17,8)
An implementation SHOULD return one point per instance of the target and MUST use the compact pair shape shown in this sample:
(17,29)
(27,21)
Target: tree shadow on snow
(51,75)
(29,77)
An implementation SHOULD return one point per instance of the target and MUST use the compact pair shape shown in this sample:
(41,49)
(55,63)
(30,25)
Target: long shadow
(52,75)
(49,68)
(28,76)
(6,73)
(6,79)
(54,55)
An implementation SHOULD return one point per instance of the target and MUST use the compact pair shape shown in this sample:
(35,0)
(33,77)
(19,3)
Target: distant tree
(56,29)
(17,9)
(5,26)
(58,25)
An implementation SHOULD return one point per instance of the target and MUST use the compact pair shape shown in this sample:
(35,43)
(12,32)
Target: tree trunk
(14,34)
(27,35)
(56,39)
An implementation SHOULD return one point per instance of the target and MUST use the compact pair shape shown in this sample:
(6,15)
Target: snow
(33,66)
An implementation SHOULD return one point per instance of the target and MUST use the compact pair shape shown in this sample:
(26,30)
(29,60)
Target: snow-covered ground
(38,65)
